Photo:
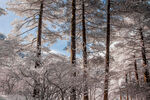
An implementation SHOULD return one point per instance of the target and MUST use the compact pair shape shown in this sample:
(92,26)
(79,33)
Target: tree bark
(127,88)
(143,51)
(73,46)
(136,71)
(38,52)
(85,97)
(106,81)
(130,79)
(120,94)
(146,72)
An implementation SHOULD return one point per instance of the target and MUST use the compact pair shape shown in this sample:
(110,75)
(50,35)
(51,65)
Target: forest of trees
(108,42)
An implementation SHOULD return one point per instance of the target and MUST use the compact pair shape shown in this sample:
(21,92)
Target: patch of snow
(12,97)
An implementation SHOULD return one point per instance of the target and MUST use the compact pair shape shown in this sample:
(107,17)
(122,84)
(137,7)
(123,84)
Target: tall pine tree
(107,56)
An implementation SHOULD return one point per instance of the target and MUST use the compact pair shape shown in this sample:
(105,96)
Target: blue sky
(5,21)
(5,28)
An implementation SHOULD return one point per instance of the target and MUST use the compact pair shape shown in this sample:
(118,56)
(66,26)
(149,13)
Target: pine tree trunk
(136,71)
(38,53)
(73,46)
(127,88)
(120,97)
(84,52)
(120,94)
(107,53)
(62,95)
(143,51)
(146,73)
(130,79)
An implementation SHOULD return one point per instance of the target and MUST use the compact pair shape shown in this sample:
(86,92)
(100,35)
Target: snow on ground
(1,98)
(11,97)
